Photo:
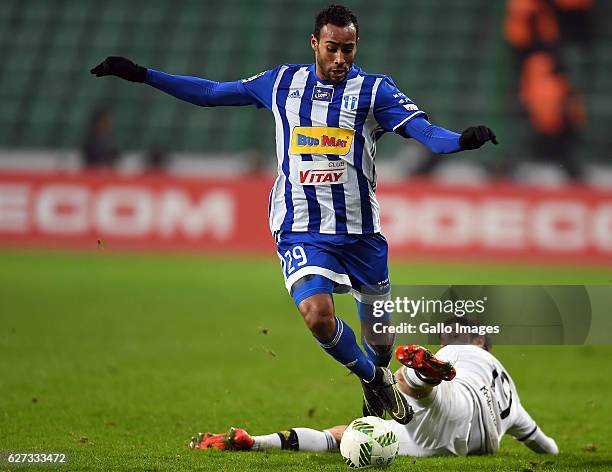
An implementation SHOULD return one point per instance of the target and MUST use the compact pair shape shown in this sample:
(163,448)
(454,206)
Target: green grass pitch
(118,359)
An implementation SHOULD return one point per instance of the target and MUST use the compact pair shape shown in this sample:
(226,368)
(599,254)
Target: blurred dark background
(536,71)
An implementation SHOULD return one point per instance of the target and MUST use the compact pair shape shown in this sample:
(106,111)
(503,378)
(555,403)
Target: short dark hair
(337,15)
(454,337)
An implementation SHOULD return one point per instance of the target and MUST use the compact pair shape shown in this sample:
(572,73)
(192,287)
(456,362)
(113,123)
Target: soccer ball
(367,442)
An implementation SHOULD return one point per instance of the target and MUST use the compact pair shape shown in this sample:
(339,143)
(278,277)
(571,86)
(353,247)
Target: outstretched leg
(338,340)
(295,439)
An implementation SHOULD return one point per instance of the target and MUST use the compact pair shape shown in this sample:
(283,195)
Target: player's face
(334,51)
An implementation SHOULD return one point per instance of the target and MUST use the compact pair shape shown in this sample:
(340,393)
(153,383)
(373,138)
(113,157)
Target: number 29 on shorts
(292,259)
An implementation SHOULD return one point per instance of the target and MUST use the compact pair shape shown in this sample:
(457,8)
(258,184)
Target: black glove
(476,136)
(121,67)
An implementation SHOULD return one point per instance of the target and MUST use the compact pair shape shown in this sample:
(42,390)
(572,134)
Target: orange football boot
(236,439)
(424,362)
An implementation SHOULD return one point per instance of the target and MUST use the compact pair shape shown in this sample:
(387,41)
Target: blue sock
(381,360)
(343,347)
(366,315)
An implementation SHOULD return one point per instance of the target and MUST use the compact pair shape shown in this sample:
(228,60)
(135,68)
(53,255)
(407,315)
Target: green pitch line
(118,359)
(401,272)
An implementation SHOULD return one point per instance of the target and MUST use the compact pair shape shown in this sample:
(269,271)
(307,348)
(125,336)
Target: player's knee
(337,432)
(321,326)
(318,314)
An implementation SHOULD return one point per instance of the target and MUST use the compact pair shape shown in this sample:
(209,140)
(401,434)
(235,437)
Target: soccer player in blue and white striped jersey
(323,210)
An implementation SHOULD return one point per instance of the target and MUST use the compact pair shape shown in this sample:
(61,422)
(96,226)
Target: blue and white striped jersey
(325,144)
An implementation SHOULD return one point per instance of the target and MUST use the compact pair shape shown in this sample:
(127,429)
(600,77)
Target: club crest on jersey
(323,93)
(321,140)
(349,102)
(322,172)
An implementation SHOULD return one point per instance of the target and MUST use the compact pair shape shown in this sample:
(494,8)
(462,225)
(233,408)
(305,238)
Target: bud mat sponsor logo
(321,140)
(322,172)
(330,141)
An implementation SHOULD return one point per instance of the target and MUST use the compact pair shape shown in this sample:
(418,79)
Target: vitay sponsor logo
(322,172)
(321,140)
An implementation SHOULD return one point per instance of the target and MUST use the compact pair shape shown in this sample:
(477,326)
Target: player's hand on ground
(475,136)
(120,67)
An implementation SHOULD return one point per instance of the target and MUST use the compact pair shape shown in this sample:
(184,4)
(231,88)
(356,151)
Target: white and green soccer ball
(368,442)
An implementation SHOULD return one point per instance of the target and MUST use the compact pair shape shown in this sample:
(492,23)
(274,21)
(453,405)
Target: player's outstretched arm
(540,443)
(194,90)
(443,141)
(526,430)
(394,111)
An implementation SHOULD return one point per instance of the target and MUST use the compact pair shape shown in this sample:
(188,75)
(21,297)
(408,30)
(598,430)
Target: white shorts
(442,423)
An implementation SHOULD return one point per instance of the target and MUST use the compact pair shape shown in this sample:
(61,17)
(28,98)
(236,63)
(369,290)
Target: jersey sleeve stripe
(407,119)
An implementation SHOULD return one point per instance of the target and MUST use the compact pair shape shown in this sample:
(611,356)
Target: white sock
(312,440)
(416,380)
(269,441)
(297,439)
